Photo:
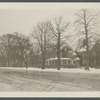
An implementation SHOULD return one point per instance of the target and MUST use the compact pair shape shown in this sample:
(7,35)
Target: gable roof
(96,45)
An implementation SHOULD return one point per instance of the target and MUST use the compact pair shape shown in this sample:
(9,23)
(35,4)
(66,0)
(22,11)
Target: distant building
(66,54)
(95,55)
(81,54)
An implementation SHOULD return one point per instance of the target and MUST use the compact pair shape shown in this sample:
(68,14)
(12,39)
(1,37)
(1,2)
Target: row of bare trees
(17,49)
(51,32)
(84,26)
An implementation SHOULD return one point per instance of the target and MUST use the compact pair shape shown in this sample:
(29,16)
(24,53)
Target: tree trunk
(26,65)
(87,65)
(43,60)
(87,42)
(14,62)
(2,60)
(59,62)
(8,61)
(87,51)
(26,62)
(58,52)
(44,52)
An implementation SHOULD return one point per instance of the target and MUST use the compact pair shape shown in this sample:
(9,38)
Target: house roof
(81,50)
(67,47)
(97,44)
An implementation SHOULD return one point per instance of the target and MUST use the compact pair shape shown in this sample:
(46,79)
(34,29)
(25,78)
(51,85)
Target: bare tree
(42,34)
(6,42)
(85,22)
(58,27)
(25,47)
(14,49)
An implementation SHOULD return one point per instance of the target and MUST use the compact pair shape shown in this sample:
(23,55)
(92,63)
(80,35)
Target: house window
(55,62)
(69,62)
(64,62)
(52,62)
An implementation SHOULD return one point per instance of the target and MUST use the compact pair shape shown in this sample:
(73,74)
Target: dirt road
(37,81)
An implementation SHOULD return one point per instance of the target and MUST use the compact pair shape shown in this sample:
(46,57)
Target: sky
(23,17)
(23,20)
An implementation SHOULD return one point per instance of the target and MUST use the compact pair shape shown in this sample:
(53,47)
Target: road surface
(12,80)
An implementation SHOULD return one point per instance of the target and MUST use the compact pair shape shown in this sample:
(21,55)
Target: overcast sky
(23,20)
(22,17)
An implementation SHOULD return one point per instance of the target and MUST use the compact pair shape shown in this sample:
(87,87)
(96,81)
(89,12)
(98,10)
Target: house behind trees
(94,56)
(68,57)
